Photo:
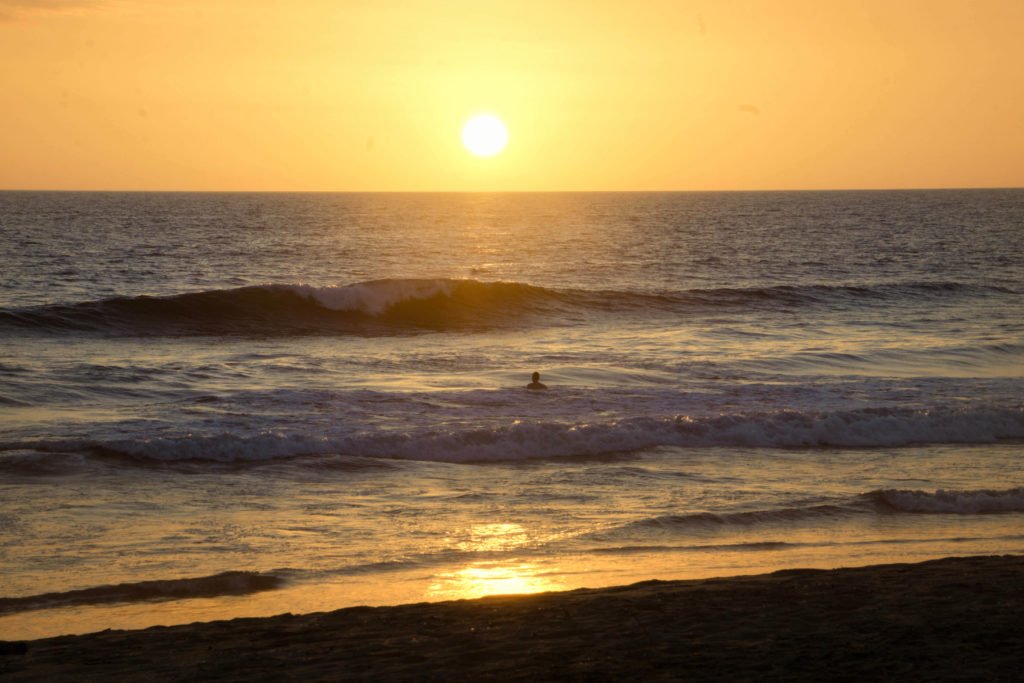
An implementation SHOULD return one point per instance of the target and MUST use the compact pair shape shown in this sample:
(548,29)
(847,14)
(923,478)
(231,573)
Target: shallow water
(327,390)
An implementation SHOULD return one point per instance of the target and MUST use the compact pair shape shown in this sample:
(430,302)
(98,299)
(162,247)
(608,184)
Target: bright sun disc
(485,135)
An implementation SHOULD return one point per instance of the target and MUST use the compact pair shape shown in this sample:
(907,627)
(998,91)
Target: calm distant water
(327,391)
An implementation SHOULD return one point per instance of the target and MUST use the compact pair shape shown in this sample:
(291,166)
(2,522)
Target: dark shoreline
(949,619)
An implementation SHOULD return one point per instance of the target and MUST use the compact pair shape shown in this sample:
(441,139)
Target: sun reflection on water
(493,578)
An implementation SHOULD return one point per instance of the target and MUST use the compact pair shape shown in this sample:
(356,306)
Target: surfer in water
(536,383)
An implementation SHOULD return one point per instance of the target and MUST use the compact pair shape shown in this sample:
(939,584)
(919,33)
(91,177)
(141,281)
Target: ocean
(219,405)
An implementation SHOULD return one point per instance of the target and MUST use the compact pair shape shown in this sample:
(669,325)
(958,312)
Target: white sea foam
(373,298)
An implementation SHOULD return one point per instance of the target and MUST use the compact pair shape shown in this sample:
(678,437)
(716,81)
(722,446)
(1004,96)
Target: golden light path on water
(494,578)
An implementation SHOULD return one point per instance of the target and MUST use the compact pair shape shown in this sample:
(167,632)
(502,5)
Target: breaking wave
(396,306)
(522,440)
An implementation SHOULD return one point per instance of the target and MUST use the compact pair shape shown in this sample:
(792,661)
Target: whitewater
(217,405)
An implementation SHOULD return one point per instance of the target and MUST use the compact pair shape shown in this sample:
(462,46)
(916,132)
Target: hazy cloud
(749,109)
(17,9)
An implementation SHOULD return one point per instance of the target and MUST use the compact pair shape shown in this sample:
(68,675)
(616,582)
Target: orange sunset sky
(598,95)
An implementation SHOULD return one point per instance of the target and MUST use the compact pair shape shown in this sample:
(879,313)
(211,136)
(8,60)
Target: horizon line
(678,191)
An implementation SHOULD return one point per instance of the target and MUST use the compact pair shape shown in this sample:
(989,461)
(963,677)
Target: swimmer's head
(536,377)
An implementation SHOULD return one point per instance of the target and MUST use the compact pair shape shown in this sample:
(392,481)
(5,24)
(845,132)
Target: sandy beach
(949,619)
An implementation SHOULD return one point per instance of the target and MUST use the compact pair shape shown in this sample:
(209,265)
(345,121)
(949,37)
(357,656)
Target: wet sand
(950,619)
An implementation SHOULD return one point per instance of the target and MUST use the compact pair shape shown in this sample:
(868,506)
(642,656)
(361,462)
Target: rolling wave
(879,502)
(377,307)
(978,502)
(522,440)
(226,583)
(750,518)
(382,307)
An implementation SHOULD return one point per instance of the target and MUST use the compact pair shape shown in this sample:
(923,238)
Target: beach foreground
(955,618)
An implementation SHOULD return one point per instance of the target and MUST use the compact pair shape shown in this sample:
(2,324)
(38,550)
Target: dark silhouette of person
(536,383)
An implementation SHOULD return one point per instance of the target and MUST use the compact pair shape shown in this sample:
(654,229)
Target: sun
(484,135)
